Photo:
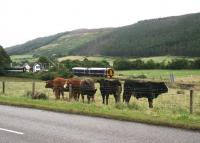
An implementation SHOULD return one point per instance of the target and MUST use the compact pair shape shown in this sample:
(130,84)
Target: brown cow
(57,86)
(75,87)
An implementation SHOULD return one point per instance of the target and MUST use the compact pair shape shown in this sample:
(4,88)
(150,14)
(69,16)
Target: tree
(4,58)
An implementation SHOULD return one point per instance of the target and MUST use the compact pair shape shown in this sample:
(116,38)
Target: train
(14,70)
(84,71)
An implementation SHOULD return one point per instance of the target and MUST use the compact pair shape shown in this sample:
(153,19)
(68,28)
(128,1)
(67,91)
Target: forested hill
(177,35)
(59,44)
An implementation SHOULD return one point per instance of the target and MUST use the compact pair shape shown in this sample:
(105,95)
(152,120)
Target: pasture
(160,74)
(157,59)
(171,109)
(23,58)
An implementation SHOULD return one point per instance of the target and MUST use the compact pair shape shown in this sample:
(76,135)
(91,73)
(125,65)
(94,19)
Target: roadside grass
(131,112)
(170,109)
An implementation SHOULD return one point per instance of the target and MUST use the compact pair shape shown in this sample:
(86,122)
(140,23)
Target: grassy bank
(132,112)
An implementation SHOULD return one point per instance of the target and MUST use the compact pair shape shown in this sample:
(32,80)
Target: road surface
(22,125)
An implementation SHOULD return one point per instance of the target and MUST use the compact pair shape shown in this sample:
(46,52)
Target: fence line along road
(189,99)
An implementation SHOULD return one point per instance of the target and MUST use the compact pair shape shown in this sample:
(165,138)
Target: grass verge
(120,111)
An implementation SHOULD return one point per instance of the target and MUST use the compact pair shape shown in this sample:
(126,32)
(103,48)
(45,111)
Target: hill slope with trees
(58,45)
(176,36)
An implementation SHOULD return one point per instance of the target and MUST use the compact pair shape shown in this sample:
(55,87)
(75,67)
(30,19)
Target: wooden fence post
(33,89)
(191,101)
(3,87)
(70,92)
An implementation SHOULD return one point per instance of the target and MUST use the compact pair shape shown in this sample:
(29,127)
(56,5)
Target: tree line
(178,63)
(4,59)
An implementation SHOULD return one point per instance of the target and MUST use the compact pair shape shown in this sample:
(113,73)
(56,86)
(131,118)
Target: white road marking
(11,131)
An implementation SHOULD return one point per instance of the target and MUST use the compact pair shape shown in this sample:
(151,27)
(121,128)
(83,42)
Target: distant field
(30,58)
(111,59)
(92,58)
(159,73)
(22,58)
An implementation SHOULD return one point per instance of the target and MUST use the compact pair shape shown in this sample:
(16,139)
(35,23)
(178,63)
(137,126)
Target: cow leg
(116,99)
(82,98)
(62,92)
(77,96)
(128,97)
(150,100)
(107,96)
(56,90)
(88,98)
(123,97)
(103,97)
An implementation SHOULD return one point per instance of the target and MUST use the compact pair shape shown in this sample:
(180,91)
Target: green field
(159,73)
(165,105)
(30,58)
(23,58)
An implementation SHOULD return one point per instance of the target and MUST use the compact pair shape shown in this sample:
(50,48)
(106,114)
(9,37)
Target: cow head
(66,85)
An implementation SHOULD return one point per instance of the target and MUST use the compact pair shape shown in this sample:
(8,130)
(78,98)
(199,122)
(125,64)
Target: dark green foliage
(181,63)
(196,64)
(4,60)
(43,60)
(122,64)
(69,64)
(176,36)
(41,75)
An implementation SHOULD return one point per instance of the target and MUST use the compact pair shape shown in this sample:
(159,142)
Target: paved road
(21,125)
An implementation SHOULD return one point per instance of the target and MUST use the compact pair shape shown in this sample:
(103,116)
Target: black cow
(145,89)
(87,87)
(107,87)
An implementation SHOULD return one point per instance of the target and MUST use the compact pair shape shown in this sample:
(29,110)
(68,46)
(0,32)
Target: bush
(37,95)
(179,64)
(47,75)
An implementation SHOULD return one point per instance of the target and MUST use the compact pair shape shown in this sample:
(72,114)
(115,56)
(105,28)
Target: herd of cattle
(77,87)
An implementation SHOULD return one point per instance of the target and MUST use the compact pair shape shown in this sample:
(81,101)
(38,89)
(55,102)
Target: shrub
(37,95)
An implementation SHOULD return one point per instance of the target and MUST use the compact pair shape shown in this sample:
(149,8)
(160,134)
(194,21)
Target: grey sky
(23,20)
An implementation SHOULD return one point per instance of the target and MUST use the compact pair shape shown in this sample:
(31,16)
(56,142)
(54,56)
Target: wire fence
(175,100)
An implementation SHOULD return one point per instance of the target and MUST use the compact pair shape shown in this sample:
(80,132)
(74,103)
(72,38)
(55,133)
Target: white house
(37,67)
(27,67)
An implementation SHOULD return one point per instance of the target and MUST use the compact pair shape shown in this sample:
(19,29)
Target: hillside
(176,36)
(59,44)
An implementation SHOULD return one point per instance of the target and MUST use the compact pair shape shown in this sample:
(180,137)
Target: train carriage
(82,71)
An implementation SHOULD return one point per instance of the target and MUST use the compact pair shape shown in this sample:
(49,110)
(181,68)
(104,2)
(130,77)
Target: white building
(37,67)
(27,67)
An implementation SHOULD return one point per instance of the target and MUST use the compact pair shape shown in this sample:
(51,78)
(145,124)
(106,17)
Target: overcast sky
(23,20)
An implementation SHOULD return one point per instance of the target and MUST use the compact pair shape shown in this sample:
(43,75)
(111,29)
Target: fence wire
(175,100)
